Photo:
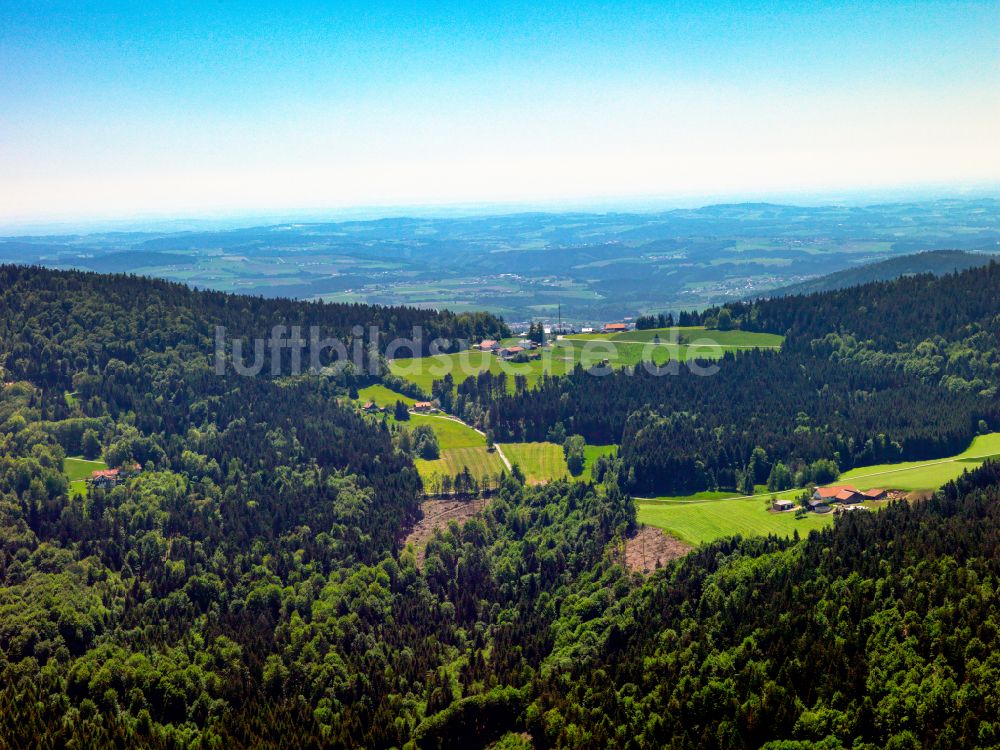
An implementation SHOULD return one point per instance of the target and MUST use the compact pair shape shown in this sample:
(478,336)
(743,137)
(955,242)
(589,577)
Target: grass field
(540,462)
(461,446)
(480,462)
(423,371)
(621,350)
(706,516)
(78,471)
(924,475)
(450,432)
(692,334)
(698,522)
(383,396)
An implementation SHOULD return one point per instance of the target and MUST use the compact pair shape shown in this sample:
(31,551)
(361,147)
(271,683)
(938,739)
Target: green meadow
(78,471)
(697,522)
(924,475)
(591,454)
(589,350)
(540,462)
(382,396)
(480,462)
(706,516)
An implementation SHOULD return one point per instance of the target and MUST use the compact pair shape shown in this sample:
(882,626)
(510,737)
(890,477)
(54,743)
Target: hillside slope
(937,262)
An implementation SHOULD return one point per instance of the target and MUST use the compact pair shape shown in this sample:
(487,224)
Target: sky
(214,107)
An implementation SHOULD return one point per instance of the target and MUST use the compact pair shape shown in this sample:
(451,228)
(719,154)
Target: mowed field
(461,446)
(590,350)
(546,462)
(480,462)
(703,521)
(924,475)
(540,462)
(706,516)
(590,454)
(696,336)
(382,396)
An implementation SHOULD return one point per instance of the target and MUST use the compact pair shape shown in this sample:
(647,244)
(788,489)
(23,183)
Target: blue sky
(122,109)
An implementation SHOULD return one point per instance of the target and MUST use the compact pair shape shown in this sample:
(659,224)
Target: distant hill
(937,262)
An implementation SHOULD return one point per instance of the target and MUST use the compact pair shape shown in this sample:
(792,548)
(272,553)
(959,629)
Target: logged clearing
(438,514)
(651,548)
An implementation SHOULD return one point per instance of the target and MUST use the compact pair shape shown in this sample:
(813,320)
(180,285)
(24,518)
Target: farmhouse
(509,352)
(370,408)
(782,505)
(615,327)
(423,406)
(106,478)
(488,345)
(874,494)
(842,493)
(818,504)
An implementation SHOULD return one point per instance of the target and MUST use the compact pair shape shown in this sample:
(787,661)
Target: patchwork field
(621,350)
(706,516)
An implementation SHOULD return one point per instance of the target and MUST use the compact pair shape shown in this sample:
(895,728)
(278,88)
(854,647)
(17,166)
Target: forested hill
(58,324)
(247,588)
(149,613)
(891,314)
(937,262)
(907,369)
(883,632)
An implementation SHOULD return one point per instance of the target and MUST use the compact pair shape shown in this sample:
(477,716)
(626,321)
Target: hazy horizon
(191,221)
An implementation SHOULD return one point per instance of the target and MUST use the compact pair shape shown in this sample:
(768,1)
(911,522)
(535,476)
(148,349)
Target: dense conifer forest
(249,588)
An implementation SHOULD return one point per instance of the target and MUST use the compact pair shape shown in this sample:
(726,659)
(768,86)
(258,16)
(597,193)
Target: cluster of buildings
(843,495)
(523,347)
(370,407)
(823,497)
(108,478)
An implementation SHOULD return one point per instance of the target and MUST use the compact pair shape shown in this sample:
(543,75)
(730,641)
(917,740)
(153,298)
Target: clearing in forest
(706,516)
